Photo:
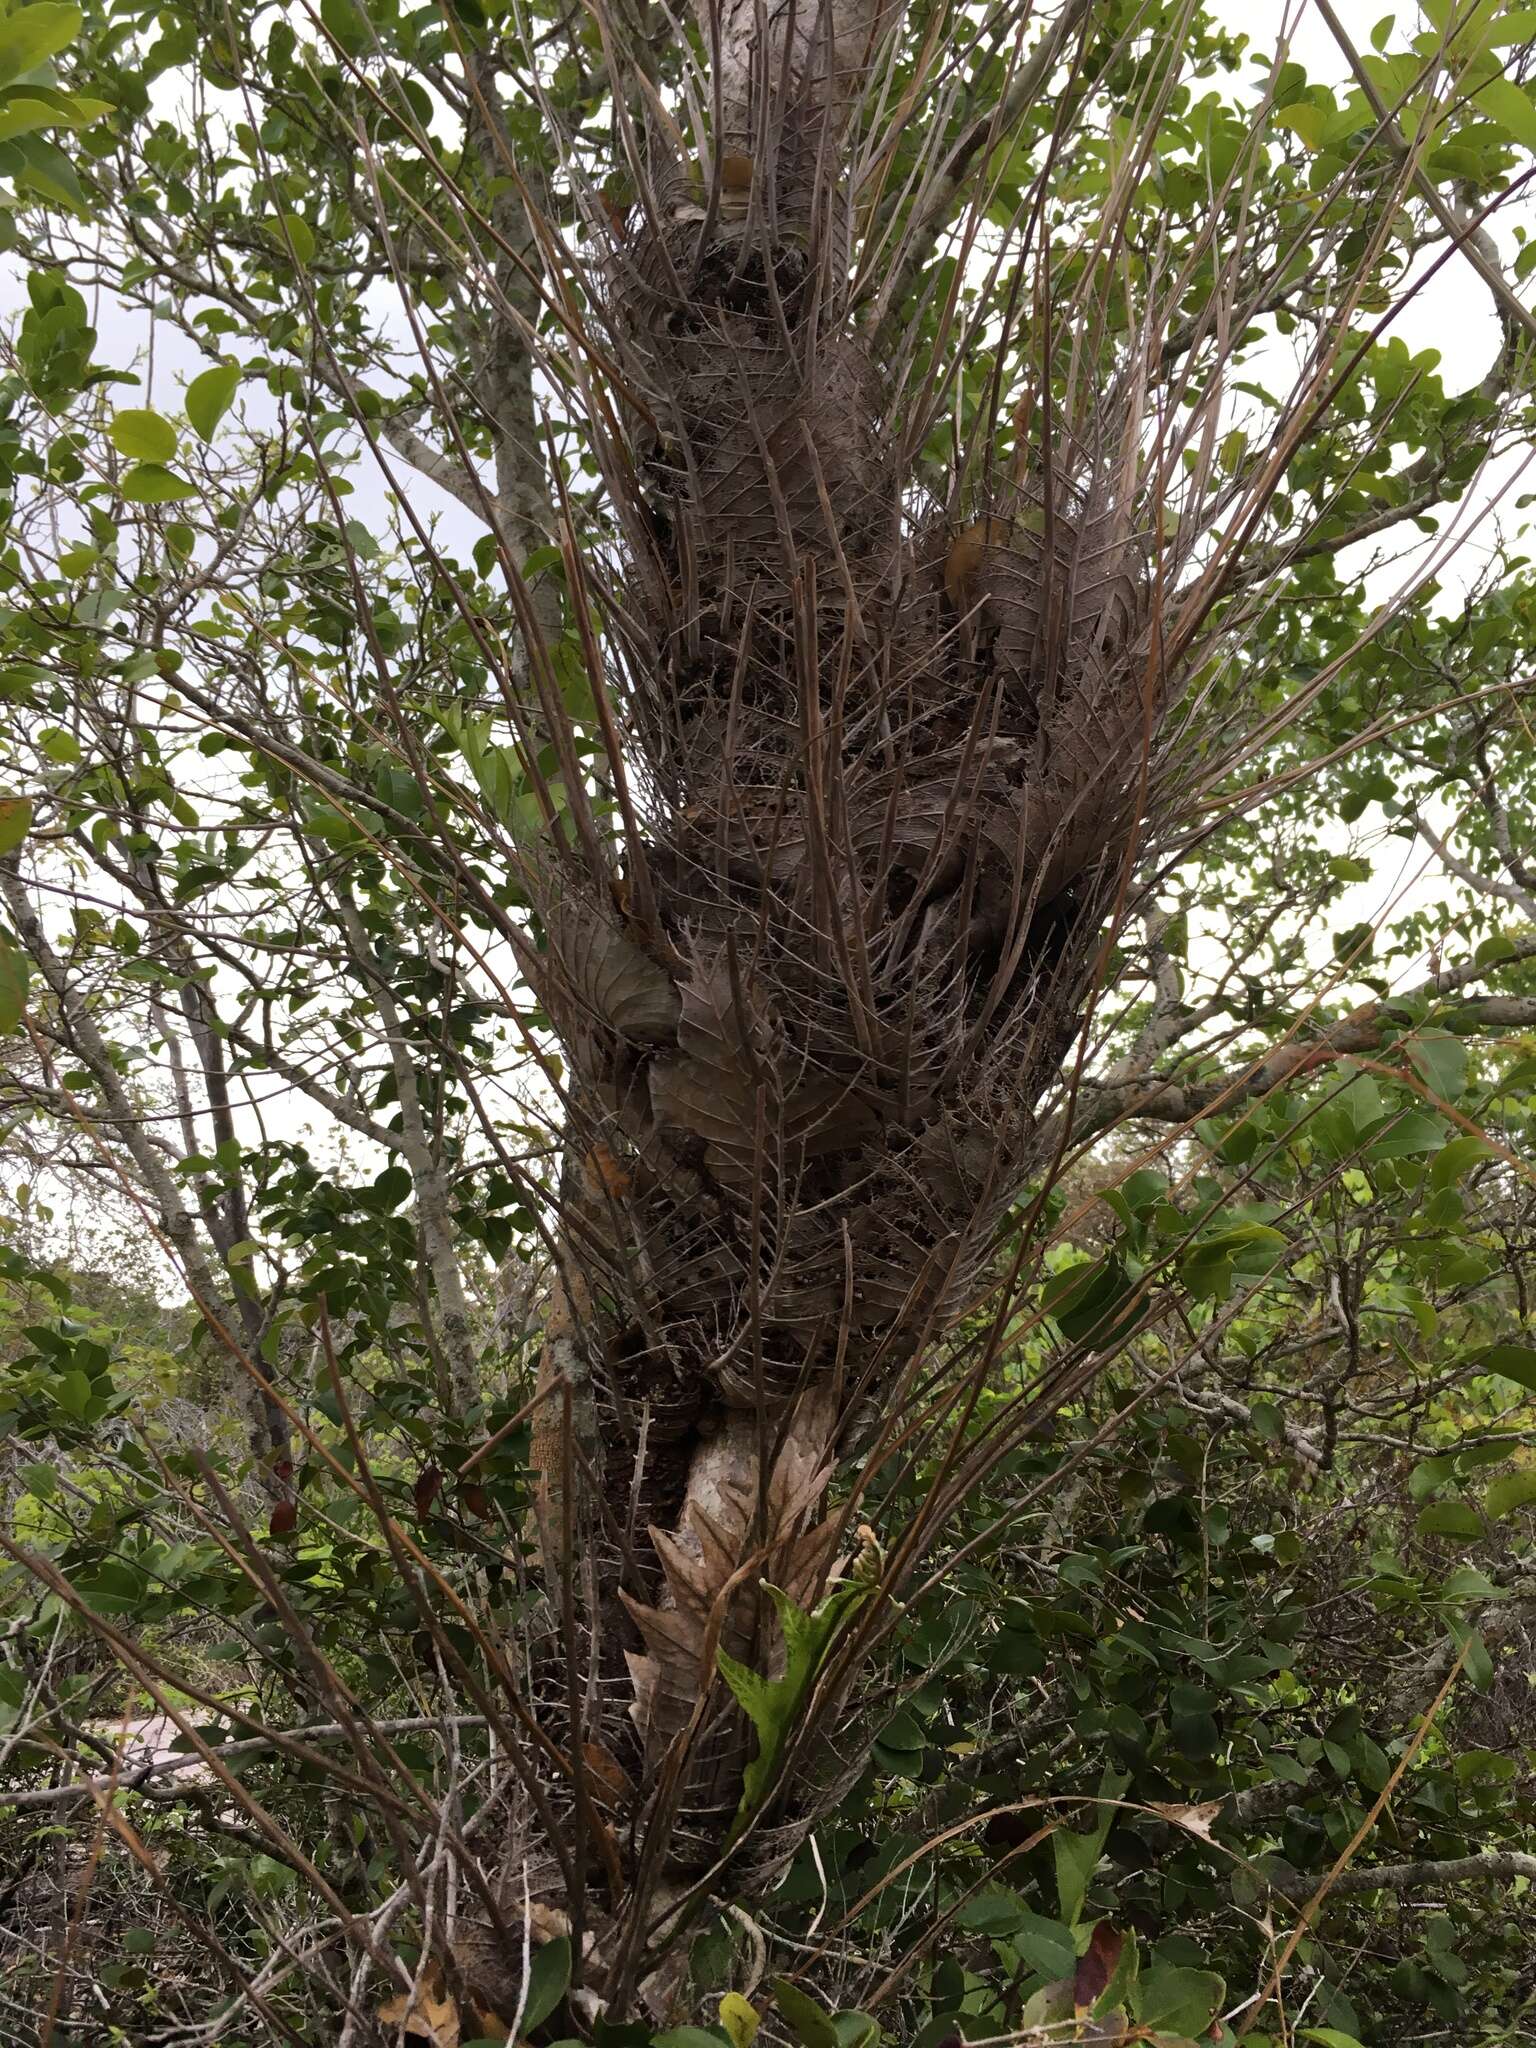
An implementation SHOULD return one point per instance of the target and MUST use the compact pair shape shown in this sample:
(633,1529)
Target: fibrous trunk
(879,778)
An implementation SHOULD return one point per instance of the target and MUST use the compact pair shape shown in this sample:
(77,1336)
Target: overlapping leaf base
(881,772)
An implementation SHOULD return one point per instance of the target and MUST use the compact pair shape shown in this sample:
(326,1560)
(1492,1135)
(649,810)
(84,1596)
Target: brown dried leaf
(546,1922)
(612,1784)
(612,978)
(1199,1820)
(427,2014)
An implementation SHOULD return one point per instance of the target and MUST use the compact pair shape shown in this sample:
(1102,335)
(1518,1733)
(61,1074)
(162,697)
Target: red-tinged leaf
(426,1489)
(1096,1966)
(474,1501)
(283,1469)
(285,1518)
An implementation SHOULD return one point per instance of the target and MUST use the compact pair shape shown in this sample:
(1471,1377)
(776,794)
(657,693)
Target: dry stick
(141,1777)
(918,239)
(393,1534)
(203,1935)
(243,1551)
(75,1924)
(392,1531)
(139,1668)
(401,1543)
(1308,1913)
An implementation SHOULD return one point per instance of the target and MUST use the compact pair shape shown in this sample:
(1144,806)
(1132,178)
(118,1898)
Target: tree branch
(1493,1866)
(1360,1032)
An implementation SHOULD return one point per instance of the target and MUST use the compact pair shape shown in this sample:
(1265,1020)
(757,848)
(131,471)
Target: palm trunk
(881,782)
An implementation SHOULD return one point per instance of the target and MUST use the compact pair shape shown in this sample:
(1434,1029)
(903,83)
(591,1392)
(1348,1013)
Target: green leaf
(26,110)
(293,235)
(1077,1856)
(1468,1583)
(1515,1362)
(1428,1475)
(150,483)
(687,2037)
(1503,101)
(1497,946)
(773,1704)
(1440,1061)
(348,24)
(811,2024)
(1175,2000)
(1513,1491)
(549,1976)
(1085,1302)
(1046,1945)
(1448,1518)
(1328,2037)
(903,1733)
(995,1914)
(15,821)
(1478,1665)
(15,978)
(1455,1159)
(856,2029)
(60,746)
(210,396)
(48,172)
(1408,1136)
(1303,119)
(32,34)
(143,436)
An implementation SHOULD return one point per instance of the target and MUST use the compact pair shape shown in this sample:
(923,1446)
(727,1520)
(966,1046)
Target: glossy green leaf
(856,2029)
(1429,1475)
(549,1977)
(1457,1158)
(46,171)
(810,2023)
(1512,107)
(1406,1137)
(1512,1491)
(151,483)
(1515,1362)
(294,236)
(210,396)
(1441,1062)
(143,436)
(32,34)
(1448,1518)
(773,1705)
(1077,1856)
(1303,119)
(31,109)
(1173,1999)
